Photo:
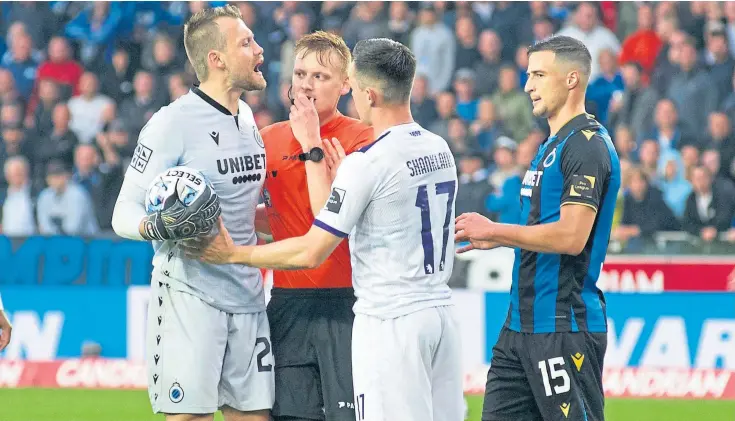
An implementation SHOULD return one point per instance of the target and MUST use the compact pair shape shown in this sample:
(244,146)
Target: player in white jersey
(395,200)
(208,340)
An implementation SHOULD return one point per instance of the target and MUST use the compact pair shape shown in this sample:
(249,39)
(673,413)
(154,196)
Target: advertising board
(672,344)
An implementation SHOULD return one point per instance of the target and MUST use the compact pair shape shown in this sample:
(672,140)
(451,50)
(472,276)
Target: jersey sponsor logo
(582,186)
(140,159)
(238,179)
(334,204)
(215,136)
(430,163)
(530,180)
(241,163)
(550,159)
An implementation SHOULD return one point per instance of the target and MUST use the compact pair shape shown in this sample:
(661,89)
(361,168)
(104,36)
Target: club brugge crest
(176,393)
(258,139)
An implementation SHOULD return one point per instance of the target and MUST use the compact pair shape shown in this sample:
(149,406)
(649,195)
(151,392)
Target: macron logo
(215,136)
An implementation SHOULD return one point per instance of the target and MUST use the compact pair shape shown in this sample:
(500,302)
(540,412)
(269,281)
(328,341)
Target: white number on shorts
(360,406)
(555,374)
(262,354)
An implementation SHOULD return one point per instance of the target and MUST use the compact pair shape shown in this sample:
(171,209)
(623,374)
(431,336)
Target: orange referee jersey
(286,197)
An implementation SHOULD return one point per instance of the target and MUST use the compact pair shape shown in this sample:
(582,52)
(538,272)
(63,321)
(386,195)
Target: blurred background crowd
(78,81)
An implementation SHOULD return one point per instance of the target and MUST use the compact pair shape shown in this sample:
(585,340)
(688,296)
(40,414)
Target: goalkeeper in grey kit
(208,341)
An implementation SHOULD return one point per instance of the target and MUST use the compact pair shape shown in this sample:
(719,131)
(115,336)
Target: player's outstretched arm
(568,235)
(305,252)
(586,166)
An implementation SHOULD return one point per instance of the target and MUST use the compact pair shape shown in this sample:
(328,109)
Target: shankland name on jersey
(430,163)
(398,221)
(197,132)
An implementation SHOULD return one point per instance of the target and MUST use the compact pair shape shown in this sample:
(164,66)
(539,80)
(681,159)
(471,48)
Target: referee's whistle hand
(304,121)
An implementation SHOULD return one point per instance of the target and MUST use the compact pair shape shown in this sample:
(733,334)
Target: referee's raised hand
(305,122)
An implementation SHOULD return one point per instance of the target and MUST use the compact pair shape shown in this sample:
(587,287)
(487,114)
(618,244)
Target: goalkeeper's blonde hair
(202,35)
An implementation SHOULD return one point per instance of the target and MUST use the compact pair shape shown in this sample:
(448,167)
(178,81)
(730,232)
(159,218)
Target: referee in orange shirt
(310,311)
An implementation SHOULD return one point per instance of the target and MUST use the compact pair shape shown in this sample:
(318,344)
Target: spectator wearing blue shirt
(464,87)
(522,64)
(21,64)
(96,29)
(667,128)
(86,168)
(673,183)
(506,182)
(423,107)
(601,90)
(64,207)
(473,183)
(487,127)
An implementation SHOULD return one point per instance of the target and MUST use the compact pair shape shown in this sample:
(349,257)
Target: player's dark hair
(566,48)
(386,65)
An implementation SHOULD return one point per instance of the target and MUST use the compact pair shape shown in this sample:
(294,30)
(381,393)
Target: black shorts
(311,333)
(546,376)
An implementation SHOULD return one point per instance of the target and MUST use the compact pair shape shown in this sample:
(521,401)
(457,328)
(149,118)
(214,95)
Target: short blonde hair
(323,44)
(201,35)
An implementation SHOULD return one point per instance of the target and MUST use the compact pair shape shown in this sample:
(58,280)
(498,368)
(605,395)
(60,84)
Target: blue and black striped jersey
(553,292)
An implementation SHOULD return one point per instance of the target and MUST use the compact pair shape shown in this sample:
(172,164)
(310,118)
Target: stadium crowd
(78,81)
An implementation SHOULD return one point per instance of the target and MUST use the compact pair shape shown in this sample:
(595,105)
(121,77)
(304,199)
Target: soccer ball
(180,183)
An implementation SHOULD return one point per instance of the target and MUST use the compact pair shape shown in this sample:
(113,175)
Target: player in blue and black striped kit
(547,363)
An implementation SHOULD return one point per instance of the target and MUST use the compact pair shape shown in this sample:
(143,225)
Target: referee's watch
(315,154)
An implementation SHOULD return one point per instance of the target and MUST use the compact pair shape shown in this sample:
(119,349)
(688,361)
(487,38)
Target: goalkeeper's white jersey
(395,200)
(197,132)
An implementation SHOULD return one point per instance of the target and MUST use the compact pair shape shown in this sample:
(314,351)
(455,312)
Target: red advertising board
(123,374)
(650,274)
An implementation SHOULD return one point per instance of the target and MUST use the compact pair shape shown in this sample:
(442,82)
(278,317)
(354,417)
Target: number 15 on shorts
(552,371)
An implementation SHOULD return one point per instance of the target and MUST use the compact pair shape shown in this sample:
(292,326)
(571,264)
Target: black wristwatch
(316,154)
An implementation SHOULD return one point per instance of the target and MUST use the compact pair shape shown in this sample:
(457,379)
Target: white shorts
(408,368)
(200,359)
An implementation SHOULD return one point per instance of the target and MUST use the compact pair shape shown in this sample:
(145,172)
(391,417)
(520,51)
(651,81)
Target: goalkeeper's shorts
(200,358)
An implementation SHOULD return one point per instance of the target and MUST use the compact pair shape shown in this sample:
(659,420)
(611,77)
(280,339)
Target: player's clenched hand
(333,155)
(474,229)
(305,122)
(5,330)
(217,249)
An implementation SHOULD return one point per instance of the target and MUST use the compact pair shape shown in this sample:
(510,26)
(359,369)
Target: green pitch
(114,405)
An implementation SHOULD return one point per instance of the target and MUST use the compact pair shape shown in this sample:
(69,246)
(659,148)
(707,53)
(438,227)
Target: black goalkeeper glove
(178,222)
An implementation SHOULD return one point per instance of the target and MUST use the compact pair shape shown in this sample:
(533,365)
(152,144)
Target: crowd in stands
(78,81)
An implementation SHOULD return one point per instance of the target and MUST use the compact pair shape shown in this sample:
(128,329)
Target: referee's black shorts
(311,333)
(546,377)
